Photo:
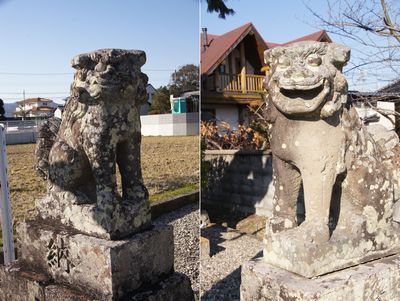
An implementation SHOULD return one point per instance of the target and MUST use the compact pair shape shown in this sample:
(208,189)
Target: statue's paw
(314,232)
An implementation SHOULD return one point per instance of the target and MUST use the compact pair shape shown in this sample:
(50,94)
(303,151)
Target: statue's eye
(283,62)
(314,60)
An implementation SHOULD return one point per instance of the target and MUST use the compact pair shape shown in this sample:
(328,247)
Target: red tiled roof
(33,100)
(221,45)
(272,45)
(319,36)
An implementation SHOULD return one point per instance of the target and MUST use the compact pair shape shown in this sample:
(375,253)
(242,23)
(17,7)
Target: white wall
(368,111)
(170,124)
(383,120)
(227,113)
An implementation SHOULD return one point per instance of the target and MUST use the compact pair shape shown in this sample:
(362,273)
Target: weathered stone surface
(377,280)
(127,218)
(298,255)
(47,134)
(253,224)
(18,284)
(100,128)
(105,267)
(320,145)
(204,247)
(57,293)
(21,285)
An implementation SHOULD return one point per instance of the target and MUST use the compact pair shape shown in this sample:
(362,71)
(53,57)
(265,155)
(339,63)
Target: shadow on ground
(228,288)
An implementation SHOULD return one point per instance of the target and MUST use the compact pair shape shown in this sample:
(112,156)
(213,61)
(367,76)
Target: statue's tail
(47,134)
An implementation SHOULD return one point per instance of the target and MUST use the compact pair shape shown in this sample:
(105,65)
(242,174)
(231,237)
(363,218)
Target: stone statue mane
(103,75)
(321,146)
(100,128)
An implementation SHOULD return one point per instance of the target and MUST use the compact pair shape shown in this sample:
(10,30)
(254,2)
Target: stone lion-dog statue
(319,143)
(100,128)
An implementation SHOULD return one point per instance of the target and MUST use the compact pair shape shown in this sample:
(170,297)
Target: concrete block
(376,280)
(290,250)
(109,268)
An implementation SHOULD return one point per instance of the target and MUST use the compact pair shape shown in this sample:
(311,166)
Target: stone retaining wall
(240,180)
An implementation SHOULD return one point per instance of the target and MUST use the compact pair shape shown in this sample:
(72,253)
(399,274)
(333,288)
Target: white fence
(184,124)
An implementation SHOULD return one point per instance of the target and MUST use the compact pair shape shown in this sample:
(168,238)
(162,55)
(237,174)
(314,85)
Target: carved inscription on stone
(58,255)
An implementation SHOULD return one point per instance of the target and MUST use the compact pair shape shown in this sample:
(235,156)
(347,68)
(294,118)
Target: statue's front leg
(101,157)
(128,159)
(318,182)
(287,183)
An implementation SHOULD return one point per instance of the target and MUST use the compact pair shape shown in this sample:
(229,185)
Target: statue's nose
(298,72)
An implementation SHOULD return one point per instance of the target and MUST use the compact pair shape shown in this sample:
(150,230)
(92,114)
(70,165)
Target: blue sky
(42,36)
(284,20)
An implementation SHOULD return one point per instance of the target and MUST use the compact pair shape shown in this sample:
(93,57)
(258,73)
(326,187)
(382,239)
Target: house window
(44,104)
(222,69)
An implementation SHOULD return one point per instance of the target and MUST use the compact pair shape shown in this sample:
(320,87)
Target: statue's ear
(271,55)
(340,55)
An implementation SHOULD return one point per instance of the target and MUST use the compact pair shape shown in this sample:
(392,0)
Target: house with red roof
(232,72)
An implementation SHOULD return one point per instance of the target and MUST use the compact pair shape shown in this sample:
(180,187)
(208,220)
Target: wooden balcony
(228,88)
(235,83)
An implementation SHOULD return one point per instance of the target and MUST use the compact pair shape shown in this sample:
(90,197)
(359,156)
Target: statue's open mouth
(305,92)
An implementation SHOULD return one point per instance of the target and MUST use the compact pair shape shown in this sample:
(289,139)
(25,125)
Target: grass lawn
(170,167)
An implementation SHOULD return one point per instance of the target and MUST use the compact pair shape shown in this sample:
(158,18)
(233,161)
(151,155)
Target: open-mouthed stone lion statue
(320,144)
(100,128)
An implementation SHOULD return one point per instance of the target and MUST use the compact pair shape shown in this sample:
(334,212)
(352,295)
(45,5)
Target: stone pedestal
(291,251)
(64,208)
(59,263)
(376,280)
(18,284)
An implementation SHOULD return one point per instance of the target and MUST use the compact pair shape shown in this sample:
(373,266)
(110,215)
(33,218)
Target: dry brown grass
(167,162)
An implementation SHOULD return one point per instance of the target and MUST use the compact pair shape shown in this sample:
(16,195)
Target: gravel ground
(220,273)
(186,223)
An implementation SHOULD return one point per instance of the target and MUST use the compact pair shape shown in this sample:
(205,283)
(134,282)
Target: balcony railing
(254,83)
(234,83)
(230,82)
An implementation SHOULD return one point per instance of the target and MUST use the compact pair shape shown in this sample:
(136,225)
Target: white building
(35,107)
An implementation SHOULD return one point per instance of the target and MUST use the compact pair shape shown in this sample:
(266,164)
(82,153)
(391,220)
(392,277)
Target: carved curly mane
(74,109)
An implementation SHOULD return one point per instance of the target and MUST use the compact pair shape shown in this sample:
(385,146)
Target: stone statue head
(109,73)
(306,78)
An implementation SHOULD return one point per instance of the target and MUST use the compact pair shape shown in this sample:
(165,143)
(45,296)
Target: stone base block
(17,284)
(127,218)
(290,250)
(103,267)
(376,280)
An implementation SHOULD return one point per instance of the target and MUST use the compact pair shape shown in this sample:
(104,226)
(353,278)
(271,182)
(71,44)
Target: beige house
(35,107)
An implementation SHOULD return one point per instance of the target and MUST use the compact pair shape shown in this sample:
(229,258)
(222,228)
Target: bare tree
(373,25)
